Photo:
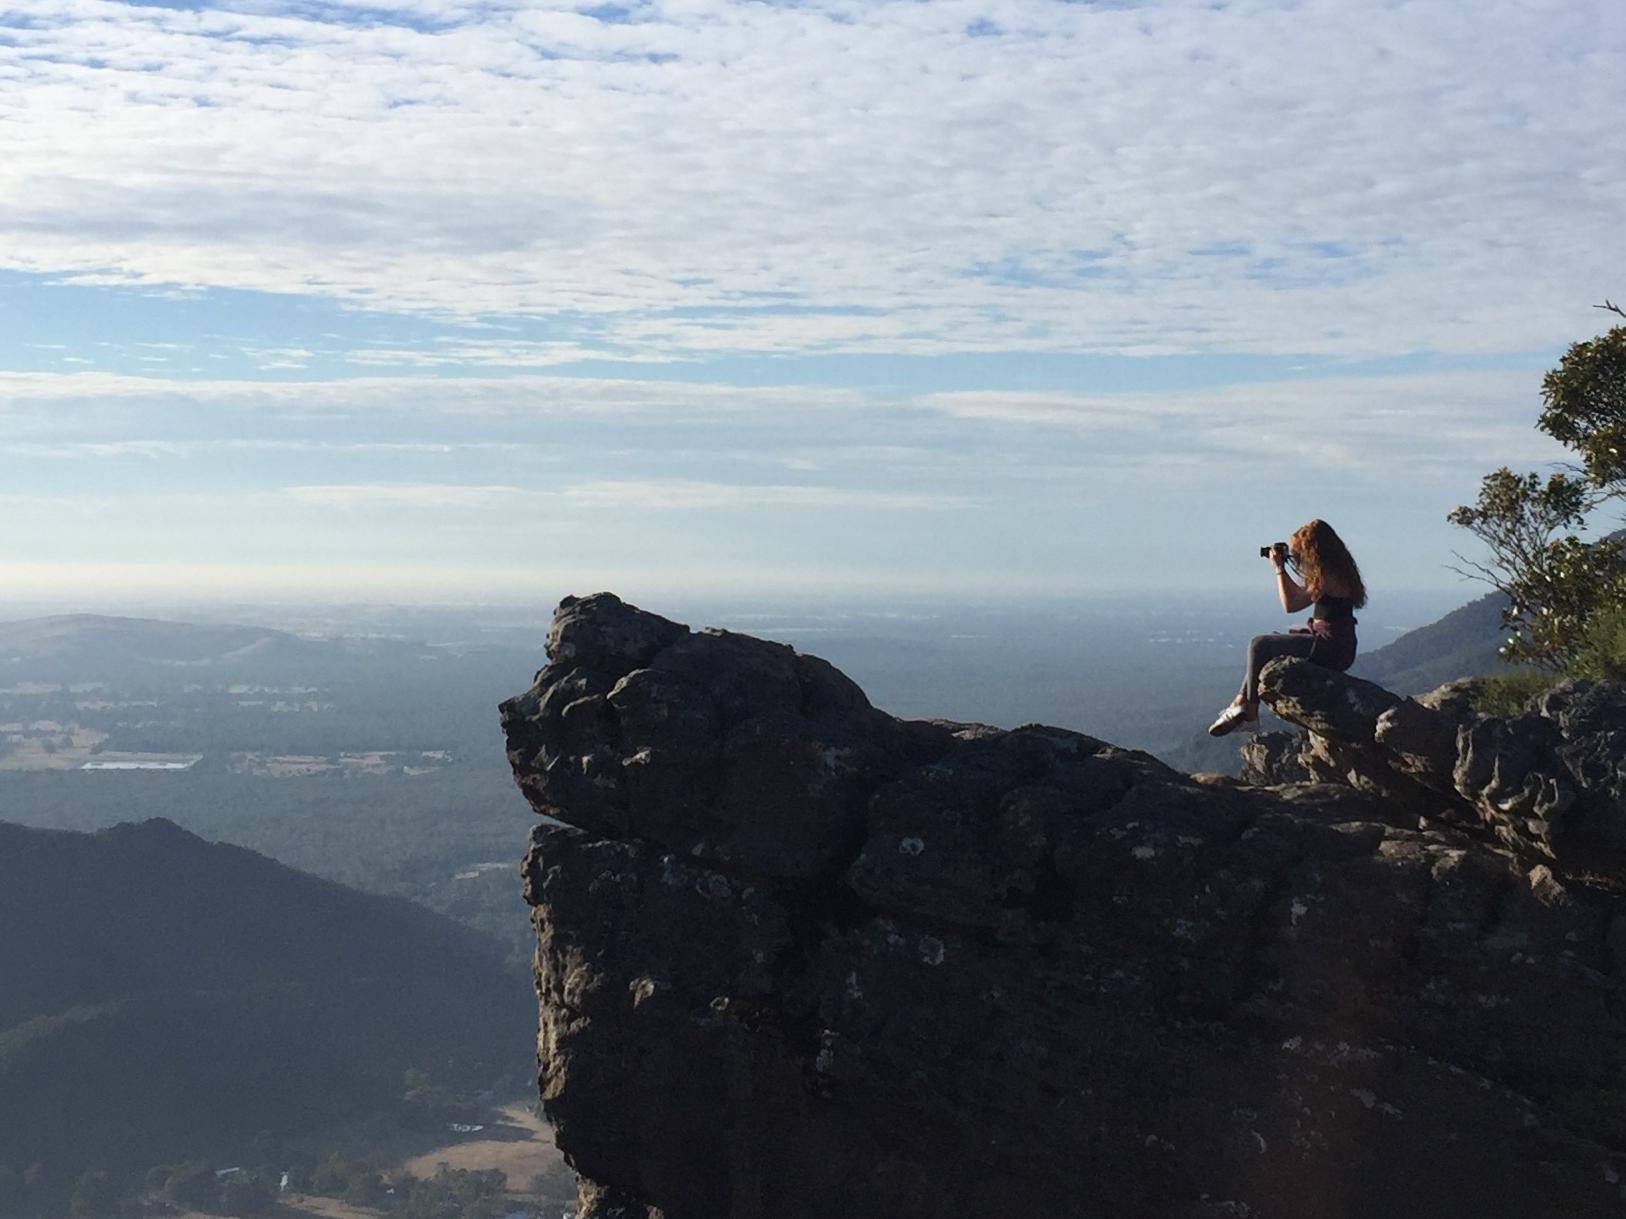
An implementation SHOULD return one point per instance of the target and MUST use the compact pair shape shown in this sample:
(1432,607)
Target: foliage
(1586,406)
(1601,653)
(192,1184)
(429,1103)
(333,1175)
(1507,694)
(366,1188)
(1598,655)
(268,1149)
(438,824)
(246,1193)
(1551,581)
(182,945)
(95,1195)
(134,963)
(455,1193)
(1554,581)
(355,1182)
(552,1191)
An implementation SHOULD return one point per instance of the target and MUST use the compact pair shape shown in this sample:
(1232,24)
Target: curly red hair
(1319,553)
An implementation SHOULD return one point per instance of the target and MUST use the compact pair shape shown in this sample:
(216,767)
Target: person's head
(1321,553)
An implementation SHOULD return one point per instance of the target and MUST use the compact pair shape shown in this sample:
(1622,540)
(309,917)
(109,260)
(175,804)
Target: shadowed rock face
(799,959)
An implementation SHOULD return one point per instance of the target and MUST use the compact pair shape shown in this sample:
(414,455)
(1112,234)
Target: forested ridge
(167,997)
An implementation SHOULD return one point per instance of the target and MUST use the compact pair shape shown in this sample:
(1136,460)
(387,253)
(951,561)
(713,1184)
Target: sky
(490,300)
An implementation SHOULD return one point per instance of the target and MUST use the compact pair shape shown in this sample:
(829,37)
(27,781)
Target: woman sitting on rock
(1332,585)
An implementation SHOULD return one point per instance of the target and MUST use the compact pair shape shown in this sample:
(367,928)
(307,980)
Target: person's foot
(1237,715)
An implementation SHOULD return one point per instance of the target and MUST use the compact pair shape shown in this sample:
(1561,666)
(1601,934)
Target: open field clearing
(520,1144)
(514,1141)
(46,745)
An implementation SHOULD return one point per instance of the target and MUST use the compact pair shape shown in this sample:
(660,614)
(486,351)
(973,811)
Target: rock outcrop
(1550,782)
(798,959)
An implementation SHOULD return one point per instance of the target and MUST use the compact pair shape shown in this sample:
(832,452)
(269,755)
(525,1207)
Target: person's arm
(1293,594)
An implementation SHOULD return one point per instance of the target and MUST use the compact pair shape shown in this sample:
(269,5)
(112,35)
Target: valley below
(374,760)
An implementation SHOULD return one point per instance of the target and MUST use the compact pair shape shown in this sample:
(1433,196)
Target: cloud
(618,481)
(633,494)
(476,353)
(675,494)
(409,395)
(268,359)
(1375,423)
(663,439)
(1311,176)
(193,449)
(405,495)
(146,449)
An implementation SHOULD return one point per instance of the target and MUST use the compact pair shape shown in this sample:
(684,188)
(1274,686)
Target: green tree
(193,1184)
(454,1193)
(1585,400)
(332,1176)
(95,1195)
(268,1150)
(366,1188)
(1555,582)
(1601,654)
(246,1193)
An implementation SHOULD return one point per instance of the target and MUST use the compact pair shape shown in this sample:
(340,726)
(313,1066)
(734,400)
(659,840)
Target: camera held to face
(1280,549)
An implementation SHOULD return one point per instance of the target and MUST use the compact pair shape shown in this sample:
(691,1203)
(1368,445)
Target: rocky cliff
(799,959)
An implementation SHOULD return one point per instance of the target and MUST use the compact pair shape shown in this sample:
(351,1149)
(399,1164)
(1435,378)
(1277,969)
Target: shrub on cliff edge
(1557,585)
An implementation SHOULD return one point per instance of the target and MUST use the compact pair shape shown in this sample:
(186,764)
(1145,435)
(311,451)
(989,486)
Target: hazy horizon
(1141,671)
(1397,610)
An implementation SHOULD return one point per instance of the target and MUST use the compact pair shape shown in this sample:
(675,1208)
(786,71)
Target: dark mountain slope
(1461,644)
(161,996)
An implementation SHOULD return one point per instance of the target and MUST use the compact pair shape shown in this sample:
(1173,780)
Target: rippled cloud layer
(677,179)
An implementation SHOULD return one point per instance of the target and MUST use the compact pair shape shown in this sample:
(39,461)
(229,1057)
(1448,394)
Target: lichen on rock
(797,958)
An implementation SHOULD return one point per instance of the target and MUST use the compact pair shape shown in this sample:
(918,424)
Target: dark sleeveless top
(1332,622)
(1334,609)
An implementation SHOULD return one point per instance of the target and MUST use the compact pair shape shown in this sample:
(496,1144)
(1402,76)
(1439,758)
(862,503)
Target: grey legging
(1262,649)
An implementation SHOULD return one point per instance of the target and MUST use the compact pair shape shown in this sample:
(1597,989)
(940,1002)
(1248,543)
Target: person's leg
(1262,649)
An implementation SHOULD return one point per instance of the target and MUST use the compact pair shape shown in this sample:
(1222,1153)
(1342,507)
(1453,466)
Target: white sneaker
(1233,717)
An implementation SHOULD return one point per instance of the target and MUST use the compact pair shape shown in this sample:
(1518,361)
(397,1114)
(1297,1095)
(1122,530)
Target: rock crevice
(799,958)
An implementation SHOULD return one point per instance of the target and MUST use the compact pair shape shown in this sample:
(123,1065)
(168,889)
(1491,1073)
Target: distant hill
(75,639)
(161,996)
(1461,644)
(153,652)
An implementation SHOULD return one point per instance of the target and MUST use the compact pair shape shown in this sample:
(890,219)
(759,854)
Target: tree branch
(1479,573)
